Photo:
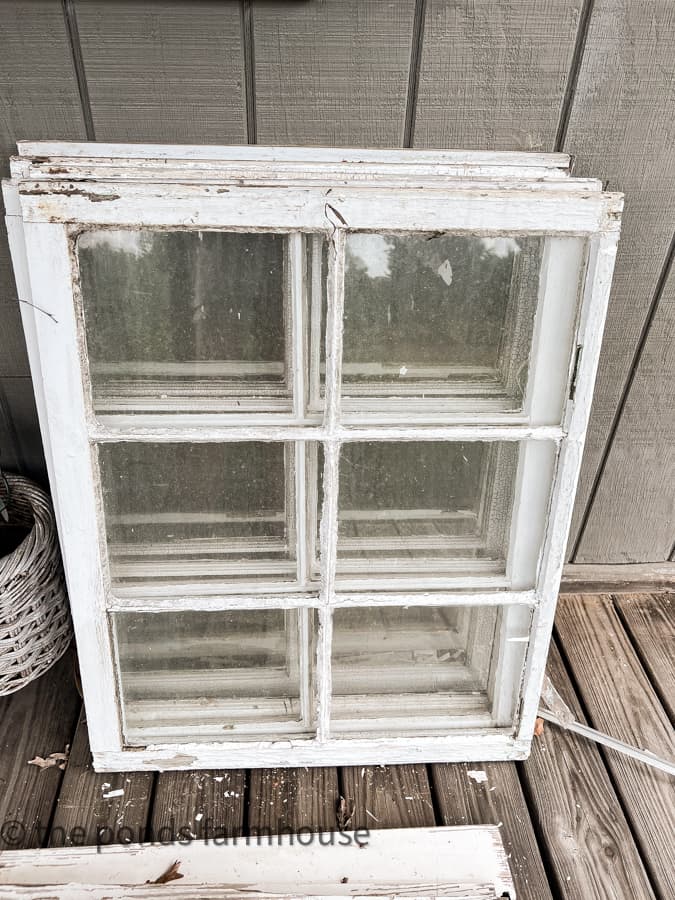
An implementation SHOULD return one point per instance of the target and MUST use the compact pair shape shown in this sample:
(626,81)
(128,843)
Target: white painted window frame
(462,862)
(57,188)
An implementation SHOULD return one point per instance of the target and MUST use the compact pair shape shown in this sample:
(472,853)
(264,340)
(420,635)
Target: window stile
(536,469)
(506,675)
(555,323)
(305,651)
(302,536)
(316,244)
(297,342)
(329,514)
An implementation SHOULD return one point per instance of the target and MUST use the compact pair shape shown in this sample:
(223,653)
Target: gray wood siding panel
(622,130)
(164,71)
(493,75)
(38,99)
(13,358)
(332,72)
(633,516)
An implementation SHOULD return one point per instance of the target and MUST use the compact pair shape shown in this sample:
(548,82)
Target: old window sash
(48,252)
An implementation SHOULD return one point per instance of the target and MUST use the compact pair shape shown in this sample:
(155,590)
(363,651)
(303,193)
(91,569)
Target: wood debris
(171,874)
(54,760)
(344,813)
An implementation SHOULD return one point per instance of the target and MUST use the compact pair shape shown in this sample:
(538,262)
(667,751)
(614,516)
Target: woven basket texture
(35,626)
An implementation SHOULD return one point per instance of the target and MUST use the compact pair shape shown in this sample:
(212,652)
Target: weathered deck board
(620,131)
(493,75)
(499,800)
(388,796)
(84,815)
(620,701)
(199,805)
(163,71)
(36,721)
(589,846)
(650,620)
(333,73)
(282,800)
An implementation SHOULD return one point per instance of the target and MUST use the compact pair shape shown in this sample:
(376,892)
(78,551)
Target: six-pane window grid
(318,432)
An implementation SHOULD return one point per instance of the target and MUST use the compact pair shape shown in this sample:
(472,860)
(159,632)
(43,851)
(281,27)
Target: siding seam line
(70,18)
(573,75)
(414,72)
(249,70)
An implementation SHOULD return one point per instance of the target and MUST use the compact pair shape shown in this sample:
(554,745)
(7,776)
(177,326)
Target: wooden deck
(579,821)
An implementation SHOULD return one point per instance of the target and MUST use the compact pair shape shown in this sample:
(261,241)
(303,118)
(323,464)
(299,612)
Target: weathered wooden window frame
(56,190)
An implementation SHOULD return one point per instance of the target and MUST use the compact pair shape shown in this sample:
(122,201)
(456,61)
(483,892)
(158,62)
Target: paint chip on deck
(478,775)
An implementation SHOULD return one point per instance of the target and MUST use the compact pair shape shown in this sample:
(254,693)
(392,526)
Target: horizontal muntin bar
(341,434)
(205,603)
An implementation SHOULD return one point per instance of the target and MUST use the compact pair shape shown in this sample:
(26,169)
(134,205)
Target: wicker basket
(35,627)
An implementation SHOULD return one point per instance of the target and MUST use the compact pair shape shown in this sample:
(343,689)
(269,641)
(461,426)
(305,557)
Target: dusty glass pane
(211,675)
(184,321)
(401,665)
(439,315)
(177,513)
(425,506)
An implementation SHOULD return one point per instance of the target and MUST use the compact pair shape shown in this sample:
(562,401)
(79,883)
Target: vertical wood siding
(332,72)
(39,97)
(622,129)
(493,75)
(591,77)
(164,71)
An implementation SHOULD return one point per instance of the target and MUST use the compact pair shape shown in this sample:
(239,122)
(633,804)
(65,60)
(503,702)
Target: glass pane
(417,668)
(177,513)
(440,315)
(212,675)
(184,321)
(425,506)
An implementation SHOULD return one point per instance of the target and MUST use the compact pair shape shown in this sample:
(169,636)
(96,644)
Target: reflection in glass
(404,664)
(425,506)
(439,315)
(197,512)
(181,321)
(208,674)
